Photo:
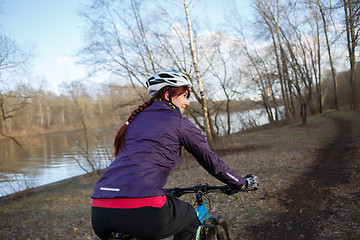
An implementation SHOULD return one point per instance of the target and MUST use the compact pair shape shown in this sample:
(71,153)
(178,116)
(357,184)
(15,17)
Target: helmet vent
(155,81)
(165,75)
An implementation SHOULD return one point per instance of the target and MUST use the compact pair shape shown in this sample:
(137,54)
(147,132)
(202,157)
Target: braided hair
(119,141)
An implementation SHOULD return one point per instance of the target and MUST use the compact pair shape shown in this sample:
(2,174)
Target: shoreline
(48,186)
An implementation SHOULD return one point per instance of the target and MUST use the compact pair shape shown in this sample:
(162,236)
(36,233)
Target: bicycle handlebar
(203,188)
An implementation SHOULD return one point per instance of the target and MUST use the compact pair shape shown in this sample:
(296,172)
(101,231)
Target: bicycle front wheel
(220,231)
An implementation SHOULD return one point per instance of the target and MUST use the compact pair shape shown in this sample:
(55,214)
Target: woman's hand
(251,182)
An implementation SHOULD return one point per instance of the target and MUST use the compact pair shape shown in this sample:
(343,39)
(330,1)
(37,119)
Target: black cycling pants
(176,218)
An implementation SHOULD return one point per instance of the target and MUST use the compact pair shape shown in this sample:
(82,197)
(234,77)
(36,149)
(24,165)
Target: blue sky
(54,29)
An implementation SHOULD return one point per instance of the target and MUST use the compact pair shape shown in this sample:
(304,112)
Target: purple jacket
(153,143)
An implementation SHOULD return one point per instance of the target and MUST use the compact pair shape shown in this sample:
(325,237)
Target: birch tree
(198,79)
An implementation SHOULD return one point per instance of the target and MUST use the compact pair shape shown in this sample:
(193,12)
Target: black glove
(251,182)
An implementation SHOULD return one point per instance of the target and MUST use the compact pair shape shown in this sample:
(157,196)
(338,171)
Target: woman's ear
(166,96)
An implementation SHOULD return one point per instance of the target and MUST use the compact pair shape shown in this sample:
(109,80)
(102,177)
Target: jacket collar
(168,103)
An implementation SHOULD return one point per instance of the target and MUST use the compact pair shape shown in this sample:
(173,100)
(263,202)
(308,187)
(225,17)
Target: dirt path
(324,202)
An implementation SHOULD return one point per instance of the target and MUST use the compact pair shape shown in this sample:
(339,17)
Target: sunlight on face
(180,101)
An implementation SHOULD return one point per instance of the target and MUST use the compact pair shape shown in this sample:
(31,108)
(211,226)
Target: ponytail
(119,141)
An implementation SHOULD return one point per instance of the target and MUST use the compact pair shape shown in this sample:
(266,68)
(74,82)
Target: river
(49,158)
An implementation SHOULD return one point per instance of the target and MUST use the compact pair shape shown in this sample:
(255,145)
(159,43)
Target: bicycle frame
(203,215)
(201,210)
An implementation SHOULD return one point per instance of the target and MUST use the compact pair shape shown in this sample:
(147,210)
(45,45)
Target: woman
(129,196)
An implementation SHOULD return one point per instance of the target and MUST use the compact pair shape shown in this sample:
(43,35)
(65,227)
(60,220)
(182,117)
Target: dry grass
(277,156)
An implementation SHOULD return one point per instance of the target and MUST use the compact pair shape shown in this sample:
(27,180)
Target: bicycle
(211,227)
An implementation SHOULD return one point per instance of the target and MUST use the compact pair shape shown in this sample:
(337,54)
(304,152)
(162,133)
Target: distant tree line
(46,111)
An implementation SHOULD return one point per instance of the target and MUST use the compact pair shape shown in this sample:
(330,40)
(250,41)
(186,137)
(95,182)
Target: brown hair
(119,141)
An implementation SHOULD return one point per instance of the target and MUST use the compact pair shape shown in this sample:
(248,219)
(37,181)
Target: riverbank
(28,192)
(279,156)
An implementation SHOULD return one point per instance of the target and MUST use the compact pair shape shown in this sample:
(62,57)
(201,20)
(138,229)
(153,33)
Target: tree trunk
(48,116)
(198,78)
(318,85)
(350,19)
(330,56)
(41,114)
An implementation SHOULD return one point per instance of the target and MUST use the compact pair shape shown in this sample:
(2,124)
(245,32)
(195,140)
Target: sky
(54,30)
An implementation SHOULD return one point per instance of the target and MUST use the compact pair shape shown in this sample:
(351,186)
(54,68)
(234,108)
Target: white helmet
(166,78)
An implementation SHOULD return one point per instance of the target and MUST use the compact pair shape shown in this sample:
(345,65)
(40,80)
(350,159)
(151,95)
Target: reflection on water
(240,120)
(243,120)
(50,157)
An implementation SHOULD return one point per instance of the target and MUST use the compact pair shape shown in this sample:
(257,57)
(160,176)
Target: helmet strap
(170,91)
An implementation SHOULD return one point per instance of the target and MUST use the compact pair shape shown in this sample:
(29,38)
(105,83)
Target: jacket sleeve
(196,144)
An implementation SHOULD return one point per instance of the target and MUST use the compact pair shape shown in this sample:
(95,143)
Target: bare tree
(314,21)
(223,64)
(198,78)
(301,53)
(10,103)
(326,34)
(260,69)
(265,80)
(297,52)
(76,90)
(117,42)
(352,24)
(12,59)
(269,11)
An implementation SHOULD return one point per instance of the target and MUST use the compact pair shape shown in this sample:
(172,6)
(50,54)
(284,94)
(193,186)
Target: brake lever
(176,192)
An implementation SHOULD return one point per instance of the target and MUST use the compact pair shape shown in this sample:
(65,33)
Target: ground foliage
(309,187)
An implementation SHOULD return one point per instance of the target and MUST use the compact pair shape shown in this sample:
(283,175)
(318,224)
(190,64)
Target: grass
(277,156)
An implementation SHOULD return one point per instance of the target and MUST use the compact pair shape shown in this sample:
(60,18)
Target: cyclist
(129,196)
